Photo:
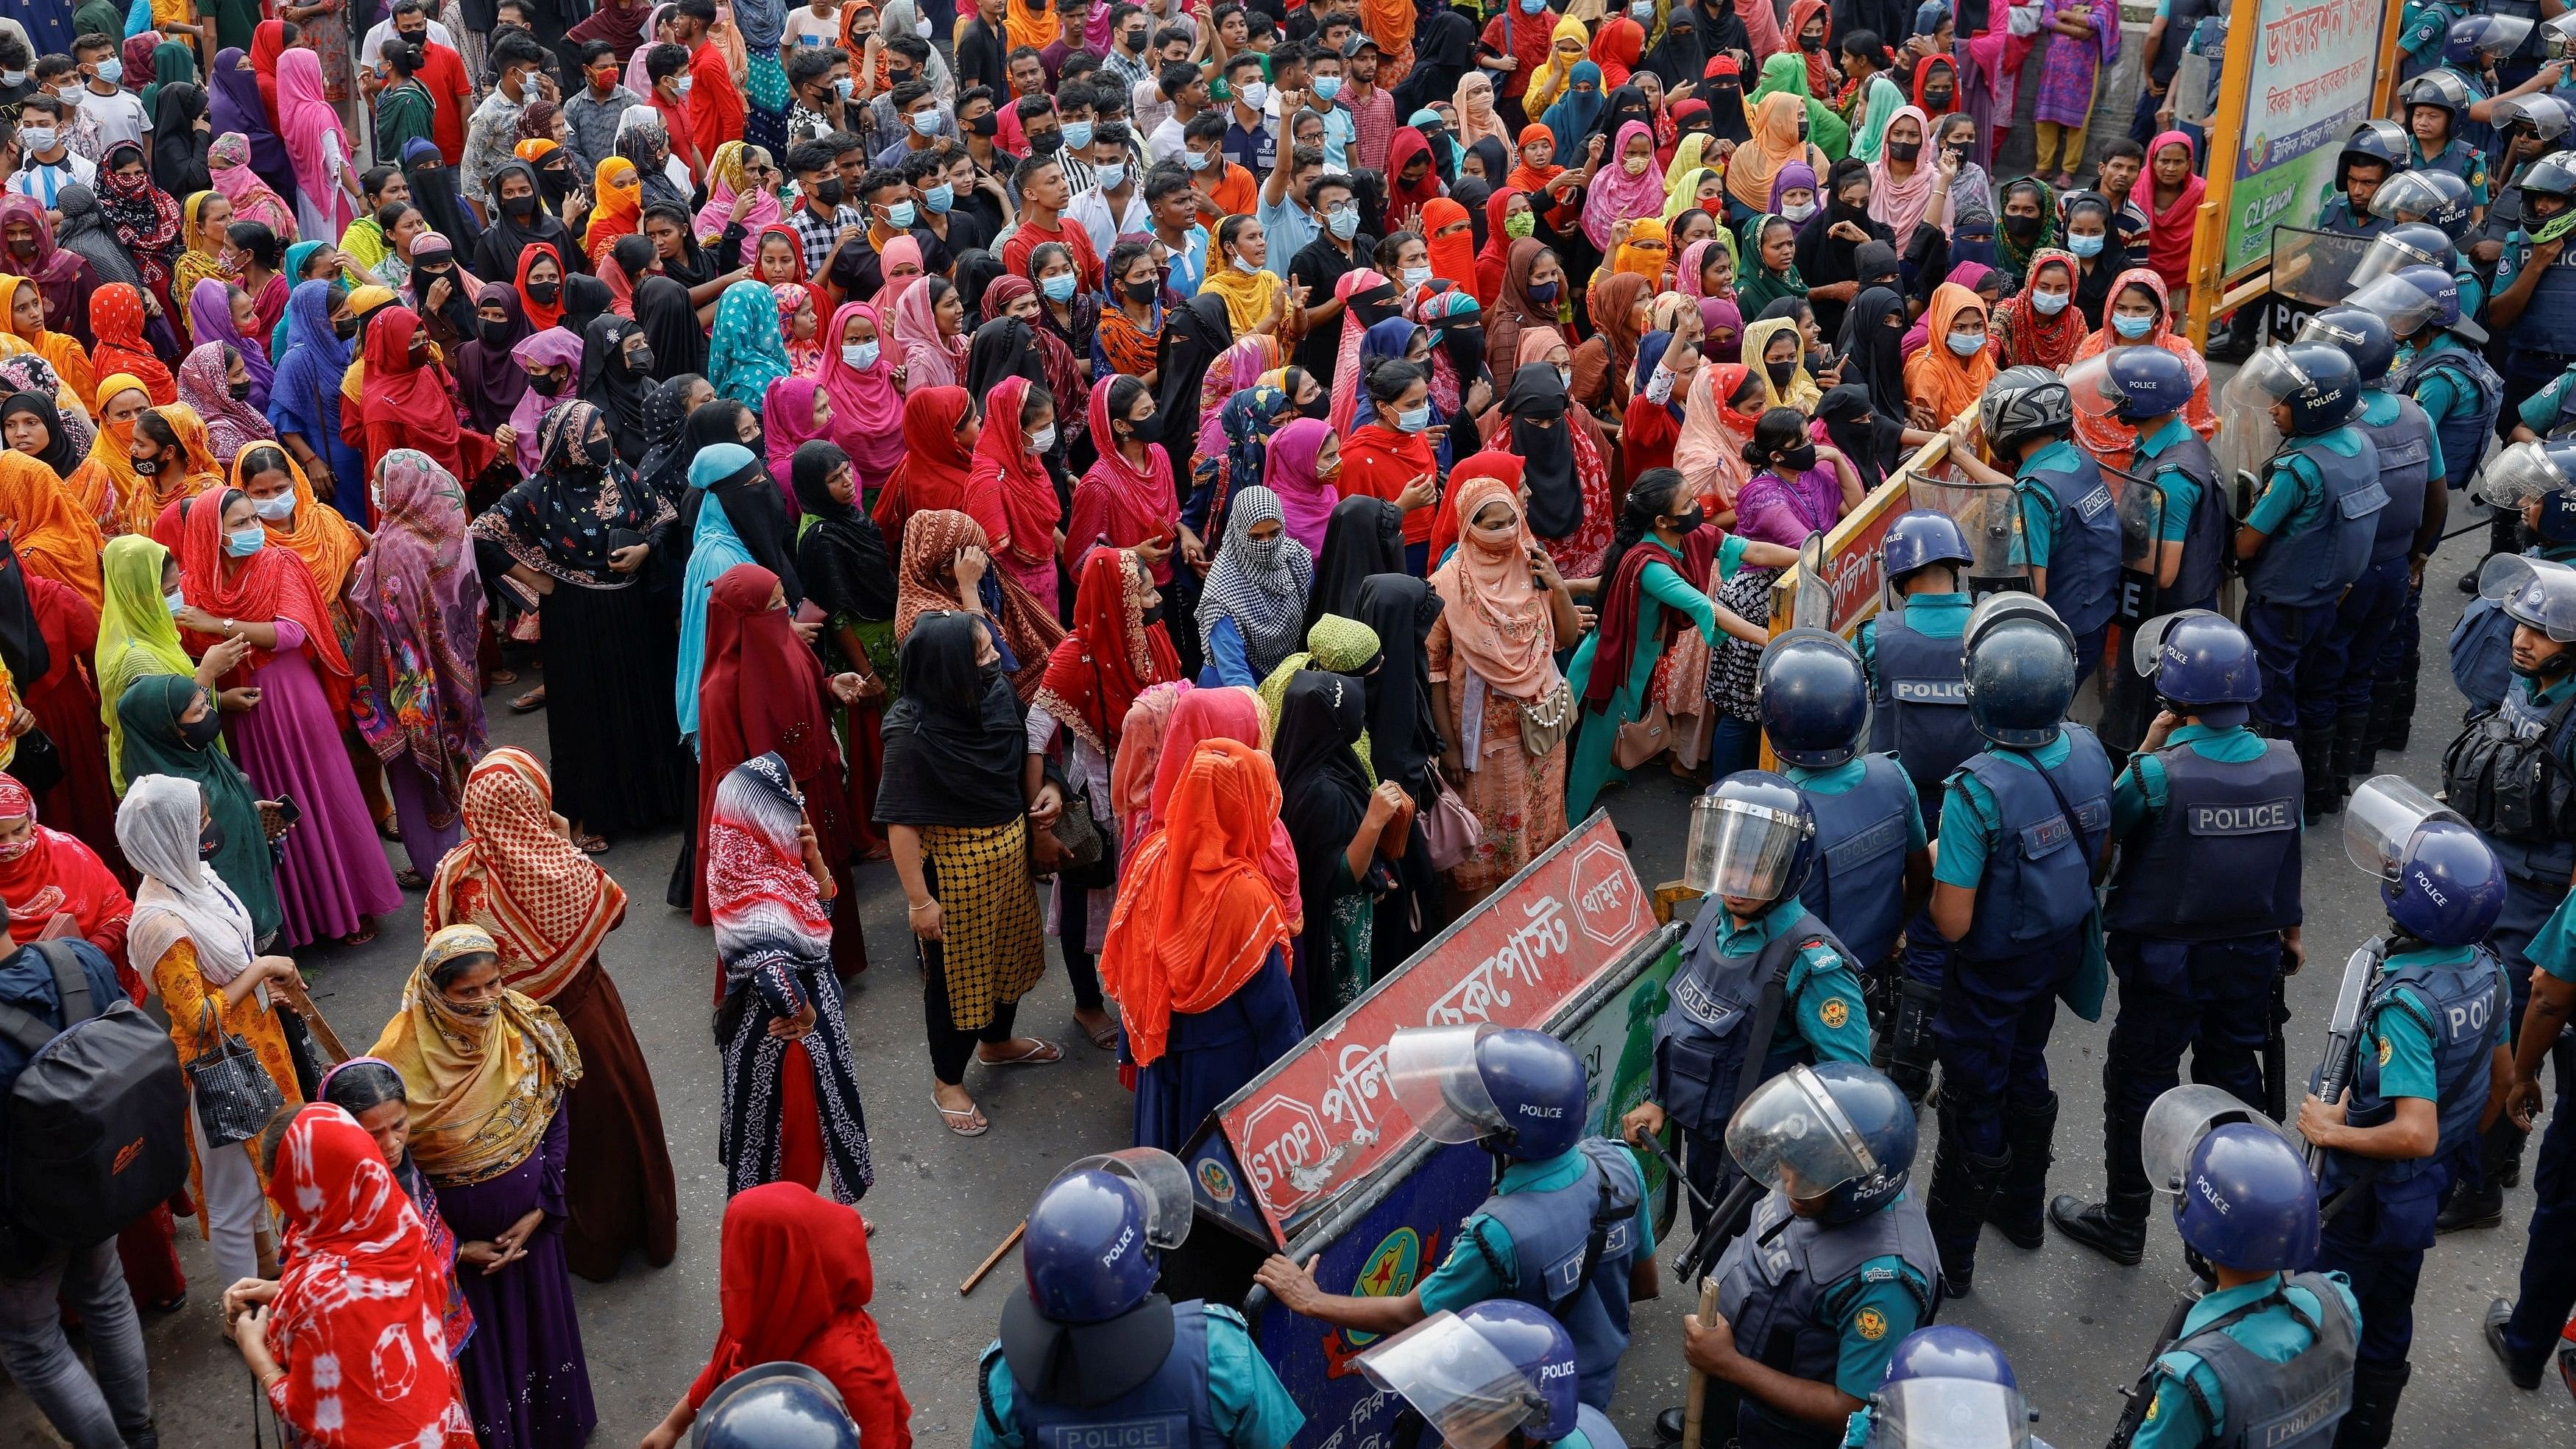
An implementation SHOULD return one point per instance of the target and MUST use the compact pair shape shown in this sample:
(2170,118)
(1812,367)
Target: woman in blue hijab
(304,398)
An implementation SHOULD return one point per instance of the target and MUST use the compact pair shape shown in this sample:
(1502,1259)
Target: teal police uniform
(2184,1386)
(1247,1402)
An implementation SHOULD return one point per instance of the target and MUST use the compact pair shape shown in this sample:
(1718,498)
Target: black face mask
(554,181)
(1690,522)
(1045,143)
(1936,101)
(147,466)
(544,293)
(828,192)
(414,37)
(984,125)
(897,77)
(210,836)
(1466,348)
(639,362)
(1904,150)
(1811,43)
(519,208)
(1721,92)
(199,735)
(546,385)
(1143,292)
(345,331)
(1799,459)
(1151,614)
(1321,407)
(1780,372)
(2023,229)
(239,389)
(495,335)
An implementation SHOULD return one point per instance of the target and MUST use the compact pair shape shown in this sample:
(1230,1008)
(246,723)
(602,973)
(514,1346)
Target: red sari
(1380,462)
(793,1286)
(66,704)
(412,404)
(1120,504)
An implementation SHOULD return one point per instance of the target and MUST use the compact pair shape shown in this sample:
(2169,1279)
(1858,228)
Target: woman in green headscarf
(1767,267)
(136,638)
(172,62)
(1336,645)
(1878,100)
(100,17)
(170,729)
(1787,71)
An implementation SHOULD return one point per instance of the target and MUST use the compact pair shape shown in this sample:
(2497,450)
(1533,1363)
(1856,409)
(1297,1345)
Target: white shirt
(118,115)
(371,54)
(45,182)
(1091,208)
(1164,142)
(804,27)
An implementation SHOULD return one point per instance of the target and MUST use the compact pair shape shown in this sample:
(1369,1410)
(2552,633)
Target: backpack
(97,1121)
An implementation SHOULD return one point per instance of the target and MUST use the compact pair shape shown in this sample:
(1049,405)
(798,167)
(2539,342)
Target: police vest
(2460,1006)
(2221,860)
(1920,708)
(1714,1041)
(2338,217)
(2204,536)
(2038,883)
(1596,1428)
(2405,447)
(2563,424)
(2508,773)
(1781,1285)
(2270,1405)
(2316,564)
(1858,886)
(2463,435)
(2084,558)
(1571,1247)
(2548,320)
(1169,1410)
(2179,20)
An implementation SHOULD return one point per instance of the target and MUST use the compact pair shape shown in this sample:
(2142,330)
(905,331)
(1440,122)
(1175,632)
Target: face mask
(546,384)
(682,87)
(554,181)
(1042,439)
(1713,205)
(1195,160)
(1643,11)
(1058,288)
(111,70)
(1113,175)
(639,362)
(1520,224)
(519,208)
(210,837)
(939,198)
(842,88)
(1256,94)
(1533,7)
(1904,150)
(247,542)
(276,510)
(37,139)
(921,27)
(1045,143)
(13,77)
(1780,372)
(1799,211)
(2049,303)
(861,355)
(1542,292)
(2132,328)
(1327,87)
(1692,521)
(1967,344)
(828,192)
(1635,165)
(2085,246)
(984,125)
(544,293)
(900,215)
(174,601)
(1811,43)
(1416,276)
(1936,101)
(1799,459)
(1143,292)
(2021,228)
(1245,267)
(239,389)
(1077,133)
(147,467)
(495,335)
(1414,420)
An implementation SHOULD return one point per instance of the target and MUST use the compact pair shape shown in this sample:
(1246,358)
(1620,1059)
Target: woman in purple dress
(285,727)
(485,1070)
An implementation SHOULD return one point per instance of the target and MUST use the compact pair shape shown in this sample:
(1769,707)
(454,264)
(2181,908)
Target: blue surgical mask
(246,542)
(1195,160)
(2049,303)
(1967,344)
(1416,276)
(2132,328)
(1113,175)
(841,88)
(861,355)
(899,215)
(1058,288)
(275,509)
(1327,87)
(1077,134)
(1414,420)
(1542,292)
(2084,246)
(925,123)
(174,601)
(111,70)
(682,85)
(1345,223)
(1533,7)
(939,198)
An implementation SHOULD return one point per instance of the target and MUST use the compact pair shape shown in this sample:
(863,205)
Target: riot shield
(1989,517)
(2129,703)
(2246,441)
(2311,270)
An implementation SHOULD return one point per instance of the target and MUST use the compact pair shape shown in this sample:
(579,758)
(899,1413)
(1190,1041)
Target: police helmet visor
(1743,849)
(2517,475)
(1432,1071)
(2394,299)
(1997,610)
(2560,36)
(776,1393)
(1463,1385)
(1161,1180)
(1950,1414)
(2547,116)
(2504,34)
(2147,651)
(2436,88)
(2407,196)
(2532,591)
(2178,1119)
(1791,1136)
(2381,819)
(2388,254)
(2090,388)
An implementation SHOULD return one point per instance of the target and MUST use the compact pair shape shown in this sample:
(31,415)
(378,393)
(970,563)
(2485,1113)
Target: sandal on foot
(359,937)
(411,880)
(972,1116)
(1045,1053)
(534,699)
(591,844)
(499,677)
(1106,1038)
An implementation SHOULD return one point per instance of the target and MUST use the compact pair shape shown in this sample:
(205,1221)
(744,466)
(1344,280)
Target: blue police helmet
(1922,538)
(2247,1201)
(2020,679)
(2365,335)
(775,1406)
(2449,885)
(2443,288)
(2316,379)
(1531,1340)
(2482,38)
(1537,1084)
(1884,1120)
(2433,198)
(2380,140)
(1947,1351)
(1086,1254)
(2203,661)
(1814,698)
(2152,382)
(2558,505)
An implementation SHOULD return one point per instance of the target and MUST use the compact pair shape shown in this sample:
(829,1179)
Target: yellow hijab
(1250,297)
(315,532)
(362,301)
(1550,80)
(484,1087)
(70,360)
(135,636)
(1802,392)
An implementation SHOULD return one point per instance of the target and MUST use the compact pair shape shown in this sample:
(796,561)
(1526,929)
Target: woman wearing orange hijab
(617,213)
(1946,378)
(1452,239)
(52,535)
(22,316)
(1775,143)
(116,320)
(326,542)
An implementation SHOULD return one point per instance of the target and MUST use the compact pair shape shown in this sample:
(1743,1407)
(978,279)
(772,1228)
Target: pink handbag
(1450,830)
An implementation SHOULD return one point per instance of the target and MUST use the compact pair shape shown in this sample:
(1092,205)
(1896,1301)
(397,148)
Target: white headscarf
(157,827)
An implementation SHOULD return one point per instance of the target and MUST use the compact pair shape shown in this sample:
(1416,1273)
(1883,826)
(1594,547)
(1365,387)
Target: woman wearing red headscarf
(1526,39)
(939,432)
(1495,255)
(410,403)
(1007,488)
(1412,182)
(55,620)
(763,691)
(116,319)
(548,312)
(2169,192)
(793,1287)
(1127,499)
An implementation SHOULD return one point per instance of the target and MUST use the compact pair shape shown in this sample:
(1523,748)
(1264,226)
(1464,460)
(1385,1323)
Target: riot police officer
(1091,1353)
(2429,1034)
(2366,648)
(1562,1230)
(2376,150)
(2309,535)
(2443,367)
(2147,392)
(785,1405)
(2508,773)
(2070,528)
(1764,984)
(1493,1375)
(2533,306)
(2426,33)
(2535,483)
(1910,648)
(2023,840)
(2435,198)
(2436,105)
(2203,800)
(1836,1268)
(1946,1387)
(2532,126)
(2267,1357)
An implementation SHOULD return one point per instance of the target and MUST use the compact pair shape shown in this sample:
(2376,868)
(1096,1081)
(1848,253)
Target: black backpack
(97,1122)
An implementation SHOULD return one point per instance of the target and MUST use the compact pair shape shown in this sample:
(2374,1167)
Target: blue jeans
(105,1412)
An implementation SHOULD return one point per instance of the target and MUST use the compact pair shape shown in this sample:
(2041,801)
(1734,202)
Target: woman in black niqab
(1873,441)
(1444,46)
(611,383)
(1324,795)
(1192,338)
(497,253)
(584,297)
(1363,536)
(1004,347)
(1404,741)
(955,741)
(178,147)
(1872,345)
(671,326)
(1679,56)
(1543,436)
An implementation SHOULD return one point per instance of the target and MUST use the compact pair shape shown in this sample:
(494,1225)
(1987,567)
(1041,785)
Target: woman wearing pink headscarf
(1368,296)
(867,414)
(1629,186)
(787,422)
(228,164)
(901,266)
(1306,497)
(1905,194)
(636,80)
(550,348)
(929,333)
(317,145)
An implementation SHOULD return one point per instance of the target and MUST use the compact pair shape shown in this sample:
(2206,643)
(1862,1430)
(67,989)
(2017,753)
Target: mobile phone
(288,812)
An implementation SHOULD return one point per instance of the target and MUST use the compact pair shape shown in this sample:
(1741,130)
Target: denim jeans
(109,1411)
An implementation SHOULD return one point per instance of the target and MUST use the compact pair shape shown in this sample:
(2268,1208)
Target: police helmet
(2201,663)
(775,1406)
(2151,382)
(2443,288)
(2380,140)
(1518,1092)
(2436,198)
(1947,1351)
(1835,1132)
(1814,698)
(2317,380)
(1752,837)
(2533,472)
(2439,89)
(1920,538)
(2551,175)
(1540,1348)
(1947,1387)
(2024,402)
(2559,36)
(2247,1201)
(2441,882)
(2362,333)
(1470,1377)
(1096,1236)
(2485,38)
(2549,118)
(2020,667)
(2558,505)
(2536,592)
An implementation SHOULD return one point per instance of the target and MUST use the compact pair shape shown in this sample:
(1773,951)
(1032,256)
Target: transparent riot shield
(2129,703)
(1989,517)
(1813,608)
(2311,270)
(2246,440)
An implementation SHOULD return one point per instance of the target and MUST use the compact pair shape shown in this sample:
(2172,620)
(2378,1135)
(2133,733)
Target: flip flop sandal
(411,880)
(974,1116)
(1045,1053)
(530,702)
(1106,1038)
(592,845)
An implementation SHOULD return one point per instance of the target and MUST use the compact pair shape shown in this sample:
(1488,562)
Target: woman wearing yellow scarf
(314,533)
(1567,47)
(1792,386)
(22,326)
(136,638)
(1238,273)
(362,303)
(139,500)
(52,535)
(202,222)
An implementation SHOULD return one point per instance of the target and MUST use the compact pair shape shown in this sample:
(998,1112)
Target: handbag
(1642,738)
(1449,828)
(234,1094)
(1545,721)
(1087,862)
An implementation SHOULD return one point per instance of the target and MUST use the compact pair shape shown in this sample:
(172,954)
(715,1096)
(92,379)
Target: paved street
(2076,1327)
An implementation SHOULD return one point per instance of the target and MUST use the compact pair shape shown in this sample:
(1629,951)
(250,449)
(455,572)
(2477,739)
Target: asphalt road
(2076,1327)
